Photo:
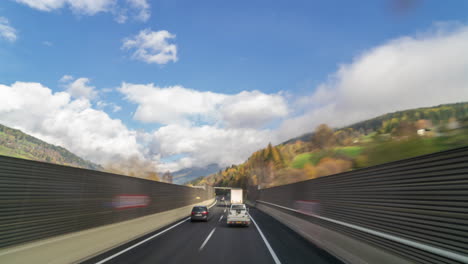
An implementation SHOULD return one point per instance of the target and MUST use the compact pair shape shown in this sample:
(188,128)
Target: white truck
(236,196)
(238,215)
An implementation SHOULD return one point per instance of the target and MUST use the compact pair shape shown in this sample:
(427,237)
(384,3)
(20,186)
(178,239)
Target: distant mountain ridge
(188,174)
(433,113)
(15,143)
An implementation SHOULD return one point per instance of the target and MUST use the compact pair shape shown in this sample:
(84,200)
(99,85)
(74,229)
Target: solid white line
(220,218)
(206,240)
(435,250)
(141,242)
(273,254)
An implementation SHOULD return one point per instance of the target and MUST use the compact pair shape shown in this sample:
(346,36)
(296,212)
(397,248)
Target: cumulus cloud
(79,88)
(409,72)
(201,128)
(205,145)
(7,32)
(73,124)
(141,8)
(176,105)
(252,109)
(152,46)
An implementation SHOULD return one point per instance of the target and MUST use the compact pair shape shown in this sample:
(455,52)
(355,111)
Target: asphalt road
(215,242)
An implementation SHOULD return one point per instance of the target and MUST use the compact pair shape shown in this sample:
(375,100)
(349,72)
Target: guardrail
(415,208)
(40,200)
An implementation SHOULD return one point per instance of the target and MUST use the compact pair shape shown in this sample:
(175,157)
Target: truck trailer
(236,196)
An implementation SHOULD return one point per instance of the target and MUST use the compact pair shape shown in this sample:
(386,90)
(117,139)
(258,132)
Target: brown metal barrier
(422,199)
(40,200)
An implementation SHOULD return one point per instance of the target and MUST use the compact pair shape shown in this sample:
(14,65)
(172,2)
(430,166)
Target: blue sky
(284,50)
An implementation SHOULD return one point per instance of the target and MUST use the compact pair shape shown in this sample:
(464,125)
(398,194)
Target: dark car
(199,213)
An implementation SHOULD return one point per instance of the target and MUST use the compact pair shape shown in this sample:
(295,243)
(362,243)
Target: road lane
(289,246)
(215,242)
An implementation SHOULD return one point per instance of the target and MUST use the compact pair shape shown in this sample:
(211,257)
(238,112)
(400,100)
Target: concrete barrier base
(345,248)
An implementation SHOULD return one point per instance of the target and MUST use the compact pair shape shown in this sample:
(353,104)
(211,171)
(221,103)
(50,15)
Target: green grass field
(314,157)
(350,152)
(302,159)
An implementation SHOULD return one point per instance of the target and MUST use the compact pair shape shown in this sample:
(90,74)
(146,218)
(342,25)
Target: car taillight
(205,213)
(193,213)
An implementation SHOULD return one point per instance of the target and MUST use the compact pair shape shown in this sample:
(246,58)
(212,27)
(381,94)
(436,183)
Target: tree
(405,129)
(310,171)
(323,138)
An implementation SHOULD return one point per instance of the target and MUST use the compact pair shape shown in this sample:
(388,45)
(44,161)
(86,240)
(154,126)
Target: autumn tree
(405,129)
(323,137)
(153,176)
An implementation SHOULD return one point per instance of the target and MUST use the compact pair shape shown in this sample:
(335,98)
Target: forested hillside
(17,144)
(329,151)
(387,122)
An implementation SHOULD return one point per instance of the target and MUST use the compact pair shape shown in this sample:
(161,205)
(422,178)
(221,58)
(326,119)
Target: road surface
(268,241)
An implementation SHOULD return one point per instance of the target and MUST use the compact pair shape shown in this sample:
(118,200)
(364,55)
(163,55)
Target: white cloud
(80,88)
(142,7)
(66,78)
(174,104)
(408,72)
(114,107)
(207,144)
(85,7)
(73,124)
(234,125)
(252,109)
(152,46)
(7,32)
(179,105)
(120,8)
(207,127)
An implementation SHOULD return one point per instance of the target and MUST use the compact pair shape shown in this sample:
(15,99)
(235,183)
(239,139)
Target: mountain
(435,114)
(15,143)
(327,151)
(188,174)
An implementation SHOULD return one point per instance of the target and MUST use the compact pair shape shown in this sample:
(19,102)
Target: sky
(181,84)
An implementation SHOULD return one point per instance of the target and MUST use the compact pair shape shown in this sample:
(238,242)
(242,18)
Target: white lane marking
(141,242)
(273,254)
(212,204)
(206,240)
(220,218)
(435,250)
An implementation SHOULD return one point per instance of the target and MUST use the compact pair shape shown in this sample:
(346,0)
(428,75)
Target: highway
(267,241)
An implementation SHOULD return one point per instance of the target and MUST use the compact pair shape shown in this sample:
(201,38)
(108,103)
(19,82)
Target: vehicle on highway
(236,196)
(238,215)
(199,213)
